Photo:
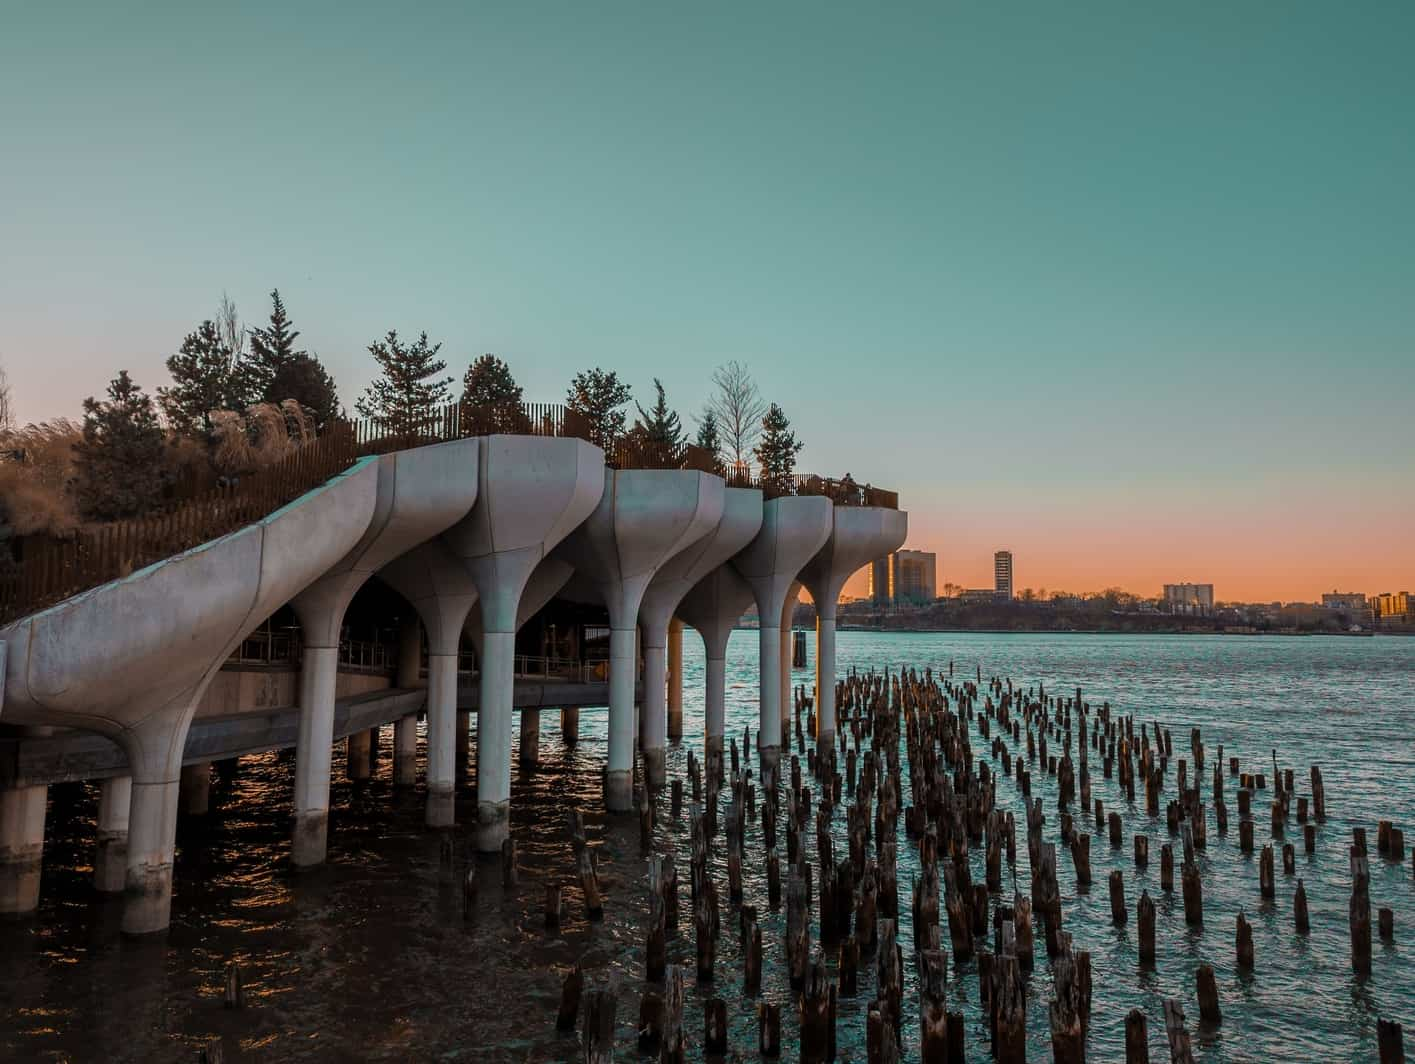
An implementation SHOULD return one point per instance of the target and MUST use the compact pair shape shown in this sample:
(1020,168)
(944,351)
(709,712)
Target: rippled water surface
(372,957)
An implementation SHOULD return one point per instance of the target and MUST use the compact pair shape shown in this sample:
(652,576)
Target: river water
(372,956)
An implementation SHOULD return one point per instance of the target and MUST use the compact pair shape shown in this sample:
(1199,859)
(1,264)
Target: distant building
(1188,598)
(1344,600)
(973,596)
(906,577)
(1393,607)
(1002,574)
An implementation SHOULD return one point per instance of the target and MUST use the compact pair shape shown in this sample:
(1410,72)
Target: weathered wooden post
(1299,910)
(1208,995)
(1117,898)
(1244,944)
(1137,1036)
(933,1013)
(1266,884)
(769,1029)
(715,1026)
(570,992)
(599,1026)
(1193,895)
(235,996)
(1390,1042)
(1146,920)
(1360,912)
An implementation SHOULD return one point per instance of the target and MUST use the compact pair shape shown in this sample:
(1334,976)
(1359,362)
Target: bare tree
(7,413)
(739,409)
(233,336)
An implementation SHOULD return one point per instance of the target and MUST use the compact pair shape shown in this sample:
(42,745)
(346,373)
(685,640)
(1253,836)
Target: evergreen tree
(776,452)
(272,346)
(660,428)
(491,398)
(303,378)
(596,396)
(204,379)
(710,439)
(409,391)
(120,466)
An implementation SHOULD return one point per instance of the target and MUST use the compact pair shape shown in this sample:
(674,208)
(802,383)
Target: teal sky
(1129,288)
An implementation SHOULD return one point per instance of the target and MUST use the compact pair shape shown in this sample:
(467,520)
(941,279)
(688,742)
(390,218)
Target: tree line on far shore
(243,398)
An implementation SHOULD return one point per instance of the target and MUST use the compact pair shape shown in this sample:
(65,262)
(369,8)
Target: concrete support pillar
(360,761)
(785,676)
(21,847)
(441,740)
(825,673)
(498,687)
(110,858)
(619,774)
(653,720)
(152,841)
(410,654)
(570,725)
(313,755)
(405,751)
(196,789)
(675,680)
(769,718)
(715,702)
(530,737)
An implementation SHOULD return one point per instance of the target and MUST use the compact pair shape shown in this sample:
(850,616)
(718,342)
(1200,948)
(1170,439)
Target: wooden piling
(1209,1011)
(1244,944)
(1146,920)
(1137,1038)
(570,992)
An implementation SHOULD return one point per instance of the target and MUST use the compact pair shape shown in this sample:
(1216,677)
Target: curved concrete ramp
(132,658)
(741,521)
(533,491)
(860,535)
(644,518)
(794,528)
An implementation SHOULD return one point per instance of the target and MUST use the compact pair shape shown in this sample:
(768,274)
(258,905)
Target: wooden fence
(46,569)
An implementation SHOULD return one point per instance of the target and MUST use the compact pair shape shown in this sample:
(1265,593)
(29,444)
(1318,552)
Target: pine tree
(776,452)
(659,429)
(409,392)
(204,379)
(491,399)
(272,347)
(120,465)
(596,396)
(304,379)
(710,440)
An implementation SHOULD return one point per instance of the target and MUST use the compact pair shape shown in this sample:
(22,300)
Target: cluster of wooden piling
(846,905)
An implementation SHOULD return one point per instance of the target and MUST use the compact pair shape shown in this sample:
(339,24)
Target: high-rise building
(906,577)
(1391,608)
(1189,598)
(912,574)
(1002,574)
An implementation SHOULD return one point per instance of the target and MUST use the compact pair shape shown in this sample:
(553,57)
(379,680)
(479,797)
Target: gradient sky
(1127,288)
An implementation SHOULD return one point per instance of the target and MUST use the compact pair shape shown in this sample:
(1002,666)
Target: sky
(1128,289)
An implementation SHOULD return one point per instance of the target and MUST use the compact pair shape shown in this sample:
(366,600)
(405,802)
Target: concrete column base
(441,807)
(21,847)
(493,825)
(656,768)
(619,791)
(675,726)
(405,751)
(530,738)
(714,744)
(147,899)
(570,725)
(110,862)
(309,845)
(195,789)
(359,764)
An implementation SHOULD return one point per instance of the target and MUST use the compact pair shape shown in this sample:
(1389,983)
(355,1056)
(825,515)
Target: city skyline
(1153,316)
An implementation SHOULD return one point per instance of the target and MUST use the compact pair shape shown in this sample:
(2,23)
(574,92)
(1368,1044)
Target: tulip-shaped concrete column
(438,586)
(644,518)
(534,491)
(675,680)
(132,659)
(793,529)
(421,492)
(860,535)
(740,522)
(714,607)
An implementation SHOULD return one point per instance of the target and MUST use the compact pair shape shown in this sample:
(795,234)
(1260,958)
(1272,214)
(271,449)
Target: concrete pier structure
(713,608)
(533,491)
(358,765)
(644,518)
(675,680)
(195,789)
(110,857)
(405,751)
(740,521)
(858,536)
(420,492)
(794,528)
(529,754)
(570,725)
(21,847)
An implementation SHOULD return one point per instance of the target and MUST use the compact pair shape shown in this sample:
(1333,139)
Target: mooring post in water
(1137,1038)
(715,1027)
(651,1023)
(1244,944)
(1390,1041)
(1208,995)
(769,1029)
(570,992)
(1299,910)
(1360,912)
(1177,1033)
(675,1041)
(235,996)
(1266,884)
(554,905)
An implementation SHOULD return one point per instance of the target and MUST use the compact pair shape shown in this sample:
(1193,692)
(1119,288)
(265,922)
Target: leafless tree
(7,413)
(739,409)
(232,332)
